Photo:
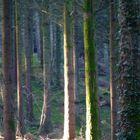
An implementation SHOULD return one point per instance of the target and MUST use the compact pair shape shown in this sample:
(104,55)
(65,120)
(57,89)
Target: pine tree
(69,105)
(8,92)
(45,121)
(20,114)
(113,55)
(92,113)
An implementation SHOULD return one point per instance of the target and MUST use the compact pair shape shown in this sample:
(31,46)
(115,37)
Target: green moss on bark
(92,113)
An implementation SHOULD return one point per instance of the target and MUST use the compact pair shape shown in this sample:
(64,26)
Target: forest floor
(30,136)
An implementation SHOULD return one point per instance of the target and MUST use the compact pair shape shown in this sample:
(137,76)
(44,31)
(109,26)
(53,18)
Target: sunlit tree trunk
(129,70)
(8,92)
(69,105)
(92,109)
(20,114)
(113,57)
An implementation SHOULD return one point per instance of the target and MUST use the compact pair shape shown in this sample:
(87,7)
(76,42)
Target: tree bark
(28,56)
(37,33)
(76,63)
(129,70)
(113,97)
(20,113)
(92,109)
(8,92)
(45,121)
(58,56)
(69,105)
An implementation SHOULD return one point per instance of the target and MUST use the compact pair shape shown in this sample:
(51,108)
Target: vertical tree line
(52,51)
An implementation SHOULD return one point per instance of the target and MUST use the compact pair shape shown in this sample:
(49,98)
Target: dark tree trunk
(58,56)
(76,62)
(129,70)
(8,92)
(113,57)
(28,57)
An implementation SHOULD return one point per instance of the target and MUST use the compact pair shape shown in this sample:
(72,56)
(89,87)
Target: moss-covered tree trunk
(92,113)
(129,70)
(69,105)
(8,92)
(113,57)
(20,114)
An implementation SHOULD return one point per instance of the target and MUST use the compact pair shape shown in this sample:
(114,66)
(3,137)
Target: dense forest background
(91,46)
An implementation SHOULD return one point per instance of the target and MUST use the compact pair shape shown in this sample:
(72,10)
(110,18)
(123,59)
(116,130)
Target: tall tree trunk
(13,41)
(20,113)
(53,54)
(76,63)
(45,121)
(58,56)
(37,33)
(92,109)
(129,70)
(28,56)
(113,98)
(69,107)
(8,92)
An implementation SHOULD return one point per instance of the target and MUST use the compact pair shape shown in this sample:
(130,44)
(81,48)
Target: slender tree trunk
(37,33)
(113,98)
(45,121)
(76,63)
(20,113)
(28,56)
(58,56)
(69,107)
(92,109)
(129,70)
(8,92)
(13,41)
(53,54)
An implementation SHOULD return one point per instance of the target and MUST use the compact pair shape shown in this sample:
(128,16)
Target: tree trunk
(58,56)
(53,54)
(69,105)
(28,55)
(76,64)
(129,70)
(13,41)
(113,98)
(37,34)
(8,92)
(92,109)
(20,113)
(45,121)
